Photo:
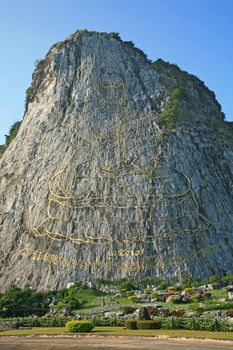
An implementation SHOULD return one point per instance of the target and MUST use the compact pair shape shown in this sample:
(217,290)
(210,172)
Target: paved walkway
(111,343)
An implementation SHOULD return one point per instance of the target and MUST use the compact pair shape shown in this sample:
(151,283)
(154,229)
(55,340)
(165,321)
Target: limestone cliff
(120,168)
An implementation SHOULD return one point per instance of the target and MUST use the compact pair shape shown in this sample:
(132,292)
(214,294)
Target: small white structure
(71,284)
(91,285)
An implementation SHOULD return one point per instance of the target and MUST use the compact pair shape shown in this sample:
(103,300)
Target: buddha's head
(111,90)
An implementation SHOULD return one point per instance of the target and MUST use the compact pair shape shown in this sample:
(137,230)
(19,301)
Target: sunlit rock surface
(121,168)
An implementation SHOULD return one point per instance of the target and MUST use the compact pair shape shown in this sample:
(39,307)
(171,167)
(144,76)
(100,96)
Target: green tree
(29,93)
(125,284)
(69,297)
(26,299)
(12,133)
(2,149)
(169,116)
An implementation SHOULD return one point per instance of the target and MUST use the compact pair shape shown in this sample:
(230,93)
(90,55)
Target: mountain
(121,168)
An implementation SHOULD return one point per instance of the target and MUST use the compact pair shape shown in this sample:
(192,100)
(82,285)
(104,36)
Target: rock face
(120,168)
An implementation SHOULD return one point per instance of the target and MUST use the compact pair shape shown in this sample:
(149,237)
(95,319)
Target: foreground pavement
(111,343)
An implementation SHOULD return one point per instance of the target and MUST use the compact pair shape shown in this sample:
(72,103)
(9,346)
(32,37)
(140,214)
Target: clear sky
(195,34)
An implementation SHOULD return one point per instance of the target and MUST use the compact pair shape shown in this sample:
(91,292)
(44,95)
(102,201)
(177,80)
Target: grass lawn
(218,293)
(122,331)
(90,298)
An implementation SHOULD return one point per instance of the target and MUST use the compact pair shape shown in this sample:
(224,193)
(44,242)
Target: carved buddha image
(113,189)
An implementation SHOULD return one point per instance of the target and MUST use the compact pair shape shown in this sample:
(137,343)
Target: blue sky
(195,34)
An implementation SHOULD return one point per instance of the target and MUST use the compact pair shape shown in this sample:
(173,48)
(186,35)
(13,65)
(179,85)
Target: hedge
(131,324)
(109,322)
(201,324)
(134,324)
(47,321)
(79,326)
(149,324)
(204,324)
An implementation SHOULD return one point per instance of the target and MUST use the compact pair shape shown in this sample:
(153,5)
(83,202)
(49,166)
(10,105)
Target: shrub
(179,288)
(155,296)
(129,293)
(174,300)
(218,306)
(131,324)
(161,297)
(203,324)
(123,291)
(162,285)
(68,298)
(171,323)
(79,326)
(113,35)
(110,322)
(105,282)
(2,149)
(28,96)
(133,298)
(153,324)
(171,288)
(148,291)
(214,279)
(125,285)
(10,137)
(189,290)
(169,116)
(46,321)
(195,298)
(12,132)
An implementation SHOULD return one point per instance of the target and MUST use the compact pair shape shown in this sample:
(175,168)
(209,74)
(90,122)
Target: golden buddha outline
(100,210)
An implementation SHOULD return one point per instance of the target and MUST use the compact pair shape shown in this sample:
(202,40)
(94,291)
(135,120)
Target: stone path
(111,343)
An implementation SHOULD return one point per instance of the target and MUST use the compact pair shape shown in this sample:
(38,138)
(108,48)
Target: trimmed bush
(79,326)
(174,300)
(110,322)
(149,324)
(131,324)
(148,291)
(155,296)
(133,298)
(45,321)
(189,290)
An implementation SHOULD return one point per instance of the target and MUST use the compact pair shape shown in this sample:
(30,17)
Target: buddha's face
(111,92)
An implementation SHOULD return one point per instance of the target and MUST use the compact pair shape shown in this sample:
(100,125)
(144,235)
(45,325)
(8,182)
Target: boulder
(144,314)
